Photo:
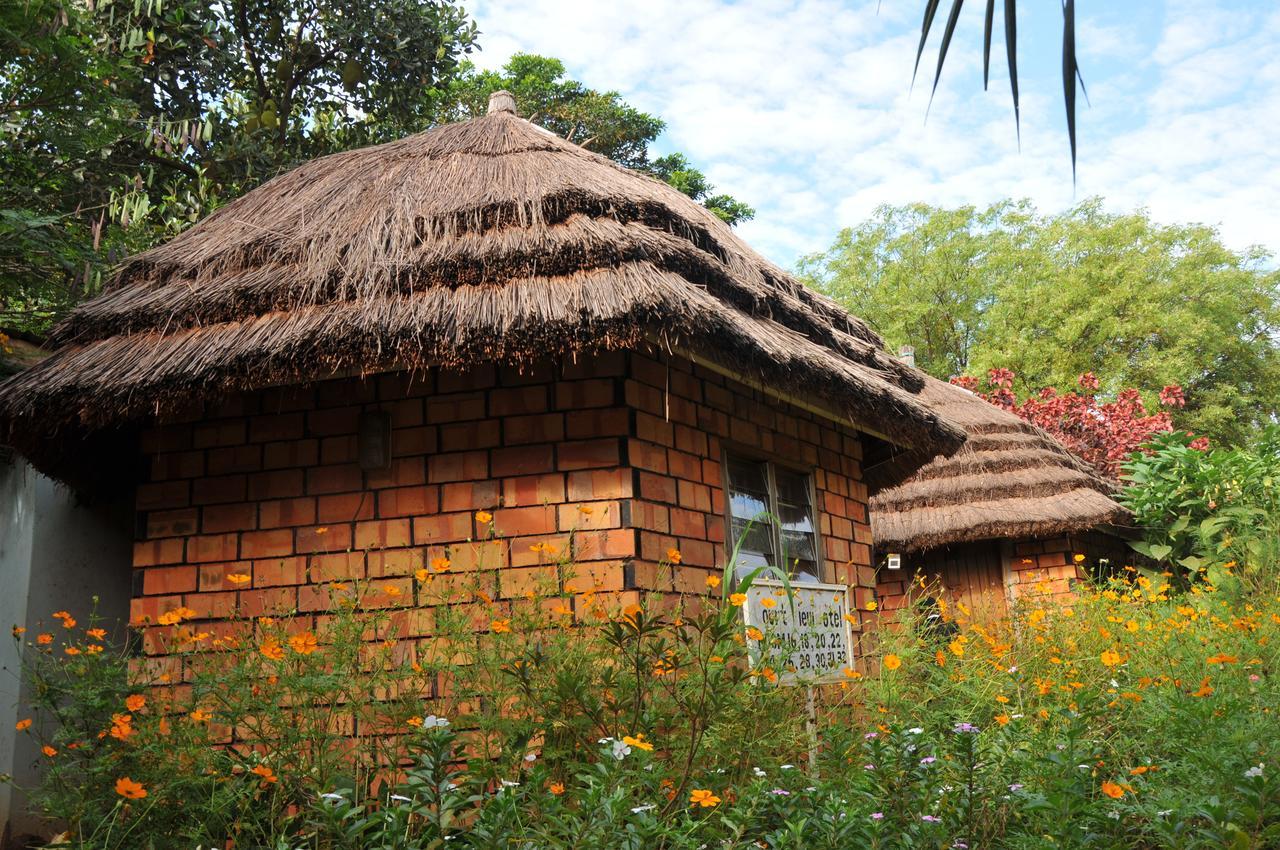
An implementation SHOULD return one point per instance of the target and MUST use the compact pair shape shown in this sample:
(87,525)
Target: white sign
(807,637)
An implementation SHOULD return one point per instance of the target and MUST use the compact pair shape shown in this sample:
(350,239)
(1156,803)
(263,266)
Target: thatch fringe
(1011,479)
(487,240)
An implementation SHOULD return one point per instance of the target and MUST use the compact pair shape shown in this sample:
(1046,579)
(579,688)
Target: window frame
(771,462)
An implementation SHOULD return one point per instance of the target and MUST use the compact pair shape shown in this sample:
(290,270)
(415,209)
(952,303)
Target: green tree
(124,121)
(598,120)
(1052,297)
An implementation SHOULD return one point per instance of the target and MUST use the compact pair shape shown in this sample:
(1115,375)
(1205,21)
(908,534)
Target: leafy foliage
(1053,297)
(1103,433)
(1213,515)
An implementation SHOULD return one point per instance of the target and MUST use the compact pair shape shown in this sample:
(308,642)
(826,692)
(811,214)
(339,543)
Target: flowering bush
(1104,433)
(1125,716)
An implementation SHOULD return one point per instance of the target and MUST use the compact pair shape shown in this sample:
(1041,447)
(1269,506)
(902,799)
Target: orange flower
(97,634)
(72,650)
(135,702)
(940,659)
(713,581)
(69,623)
(1205,688)
(324,529)
(440,564)
(22,724)
(129,789)
(871,606)
(271,648)
(631,612)
(199,716)
(500,626)
(754,634)
(703,797)
(239,578)
(1138,771)
(638,742)
(1079,559)
(484,517)
(768,602)
(303,643)
(850,673)
(1112,790)
(391,590)
(422,575)
(121,726)
(1222,658)
(586,510)
(674,556)
(556,788)
(1110,658)
(61,615)
(18,631)
(737,599)
(892,662)
(268,775)
(48,751)
(1003,719)
(767,673)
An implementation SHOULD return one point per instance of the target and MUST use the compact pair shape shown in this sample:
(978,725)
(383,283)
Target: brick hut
(1012,506)
(483,316)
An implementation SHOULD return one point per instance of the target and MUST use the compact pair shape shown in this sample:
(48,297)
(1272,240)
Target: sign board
(807,638)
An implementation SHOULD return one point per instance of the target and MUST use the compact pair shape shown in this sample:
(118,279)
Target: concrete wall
(56,552)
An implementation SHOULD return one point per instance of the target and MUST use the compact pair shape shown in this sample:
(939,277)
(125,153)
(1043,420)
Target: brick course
(615,458)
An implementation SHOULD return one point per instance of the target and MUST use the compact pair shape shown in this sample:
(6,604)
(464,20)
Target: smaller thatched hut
(1012,505)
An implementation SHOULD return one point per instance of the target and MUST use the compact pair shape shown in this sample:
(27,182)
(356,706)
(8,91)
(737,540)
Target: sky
(805,109)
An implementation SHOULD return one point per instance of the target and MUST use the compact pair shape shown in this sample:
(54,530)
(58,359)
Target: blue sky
(804,109)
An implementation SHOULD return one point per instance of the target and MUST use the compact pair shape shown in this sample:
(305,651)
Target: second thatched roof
(1010,480)
(490,239)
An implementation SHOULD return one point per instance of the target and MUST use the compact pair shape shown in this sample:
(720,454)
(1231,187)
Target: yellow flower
(638,742)
(1079,559)
(440,564)
(271,648)
(957,648)
(713,581)
(737,599)
(1001,698)
(703,797)
(754,634)
(239,578)
(484,517)
(135,702)
(1112,790)
(303,643)
(768,602)
(850,673)
(871,606)
(1131,626)
(500,626)
(673,555)
(892,662)
(129,789)
(1110,658)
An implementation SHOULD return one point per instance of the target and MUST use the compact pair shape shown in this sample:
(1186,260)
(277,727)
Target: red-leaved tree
(1103,433)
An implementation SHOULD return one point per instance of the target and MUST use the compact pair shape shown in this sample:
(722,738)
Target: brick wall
(617,456)
(1050,566)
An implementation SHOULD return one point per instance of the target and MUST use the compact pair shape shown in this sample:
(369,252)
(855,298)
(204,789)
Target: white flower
(758,772)
(620,750)
(507,783)
(433,722)
(530,757)
(399,799)
(604,740)
(638,809)
(788,766)
(1254,772)
(1113,815)
(914,730)
(1164,813)
(332,795)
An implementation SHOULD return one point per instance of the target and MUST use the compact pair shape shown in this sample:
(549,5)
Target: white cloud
(802,107)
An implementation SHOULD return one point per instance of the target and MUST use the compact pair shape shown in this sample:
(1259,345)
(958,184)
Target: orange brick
(337,566)
(290,453)
(540,428)
(265,544)
(384,534)
(688,524)
(345,507)
(533,490)
(515,522)
(277,484)
(234,459)
(269,572)
(395,562)
(586,424)
(409,501)
(599,484)
(334,479)
(280,426)
(539,550)
(169,580)
(228,488)
(455,408)
(584,515)
(443,528)
(214,576)
(284,513)
(163,494)
(334,450)
(587,454)
(231,517)
(323,538)
(468,496)
(212,547)
(525,460)
(165,551)
(617,543)
(172,523)
(218,433)
(514,401)
(467,436)
(458,466)
(267,601)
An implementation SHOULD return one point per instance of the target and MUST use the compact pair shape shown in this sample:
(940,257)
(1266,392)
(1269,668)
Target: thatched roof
(1011,479)
(490,239)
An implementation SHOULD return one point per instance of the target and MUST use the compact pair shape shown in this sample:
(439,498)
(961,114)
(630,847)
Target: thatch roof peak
(1011,479)
(489,239)
(502,101)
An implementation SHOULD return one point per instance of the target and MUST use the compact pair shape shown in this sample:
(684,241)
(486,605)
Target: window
(771,518)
